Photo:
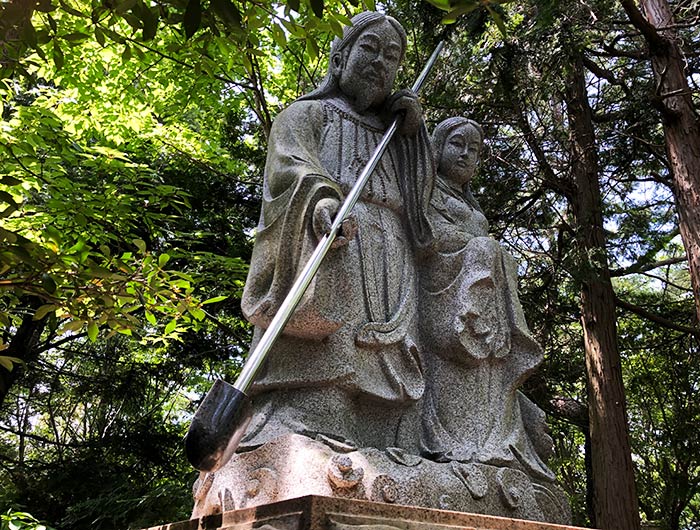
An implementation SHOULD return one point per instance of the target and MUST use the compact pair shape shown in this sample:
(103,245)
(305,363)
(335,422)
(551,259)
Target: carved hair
(360,23)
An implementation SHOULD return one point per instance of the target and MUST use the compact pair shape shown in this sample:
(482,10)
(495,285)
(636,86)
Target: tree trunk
(680,121)
(22,346)
(614,494)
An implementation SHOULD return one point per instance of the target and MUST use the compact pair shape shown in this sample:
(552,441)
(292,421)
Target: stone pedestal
(326,513)
(294,466)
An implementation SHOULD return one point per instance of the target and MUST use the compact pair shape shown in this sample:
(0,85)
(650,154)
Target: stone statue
(396,378)
(349,355)
(481,348)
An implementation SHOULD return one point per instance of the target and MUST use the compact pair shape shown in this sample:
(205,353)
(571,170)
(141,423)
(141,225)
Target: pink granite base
(327,513)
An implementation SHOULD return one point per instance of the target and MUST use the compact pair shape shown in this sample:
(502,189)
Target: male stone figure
(347,365)
(337,407)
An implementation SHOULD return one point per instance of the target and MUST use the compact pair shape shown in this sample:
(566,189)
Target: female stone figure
(347,364)
(481,348)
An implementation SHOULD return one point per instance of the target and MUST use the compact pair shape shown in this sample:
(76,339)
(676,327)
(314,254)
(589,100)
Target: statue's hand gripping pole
(224,414)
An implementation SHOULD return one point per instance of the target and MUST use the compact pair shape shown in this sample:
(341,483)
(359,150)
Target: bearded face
(366,74)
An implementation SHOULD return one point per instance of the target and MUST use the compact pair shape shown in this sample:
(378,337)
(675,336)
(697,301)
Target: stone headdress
(360,23)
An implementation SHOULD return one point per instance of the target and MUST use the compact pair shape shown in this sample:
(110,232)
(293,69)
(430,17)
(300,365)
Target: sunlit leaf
(215,299)
(170,327)
(93,330)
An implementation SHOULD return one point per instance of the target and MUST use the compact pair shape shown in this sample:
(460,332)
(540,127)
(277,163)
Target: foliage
(131,162)
(20,521)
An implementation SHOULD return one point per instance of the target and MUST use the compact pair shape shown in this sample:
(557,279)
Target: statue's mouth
(372,74)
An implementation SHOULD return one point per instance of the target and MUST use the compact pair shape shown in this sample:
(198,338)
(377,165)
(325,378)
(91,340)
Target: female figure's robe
(350,350)
(481,349)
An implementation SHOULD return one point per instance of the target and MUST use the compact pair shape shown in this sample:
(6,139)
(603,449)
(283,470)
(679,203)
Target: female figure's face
(366,74)
(460,154)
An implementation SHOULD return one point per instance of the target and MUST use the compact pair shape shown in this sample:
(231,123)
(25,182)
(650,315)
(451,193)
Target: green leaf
(93,330)
(370,5)
(192,17)
(123,7)
(498,20)
(214,300)
(149,19)
(9,180)
(44,310)
(99,36)
(45,6)
(197,313)
(7,198)
(29,34)
(70,9)
(7,364)
(48,283)
(453,15)
(163,259)
(317,7)
(228,12)
(443,5)
(140,244)
(278,36)
(312,48)
(170,327)
(58,58)
(151,317)
(76,36)
(336,28)
(72,325)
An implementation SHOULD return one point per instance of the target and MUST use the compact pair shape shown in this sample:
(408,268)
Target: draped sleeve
(294,182)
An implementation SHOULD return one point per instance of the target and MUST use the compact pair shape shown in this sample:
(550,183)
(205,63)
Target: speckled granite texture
(326,513)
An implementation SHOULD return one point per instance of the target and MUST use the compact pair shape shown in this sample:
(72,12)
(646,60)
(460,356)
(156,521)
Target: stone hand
(405,102)
(324,212)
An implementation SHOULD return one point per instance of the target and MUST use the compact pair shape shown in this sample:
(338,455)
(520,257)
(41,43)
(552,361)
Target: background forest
(132,145)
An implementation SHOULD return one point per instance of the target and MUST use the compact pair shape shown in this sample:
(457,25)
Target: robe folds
(481,350)
(355,328)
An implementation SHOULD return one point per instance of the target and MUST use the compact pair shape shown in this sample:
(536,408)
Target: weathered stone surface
(295,465)
(397,378)
(325,513)
(478,347)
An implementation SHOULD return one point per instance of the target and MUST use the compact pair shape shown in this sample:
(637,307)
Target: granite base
(327,513)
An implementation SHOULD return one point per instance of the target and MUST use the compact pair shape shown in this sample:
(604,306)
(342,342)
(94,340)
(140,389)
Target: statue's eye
(392,56)
(368,46)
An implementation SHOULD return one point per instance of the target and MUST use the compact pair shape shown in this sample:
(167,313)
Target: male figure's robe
(354,333)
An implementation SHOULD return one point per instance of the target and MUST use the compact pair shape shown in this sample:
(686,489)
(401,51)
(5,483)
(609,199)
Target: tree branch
(640,22)
(665,322)
(640,267)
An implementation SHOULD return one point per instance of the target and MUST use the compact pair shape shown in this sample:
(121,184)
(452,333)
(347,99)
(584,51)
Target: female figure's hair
(360,23)
(440,135)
